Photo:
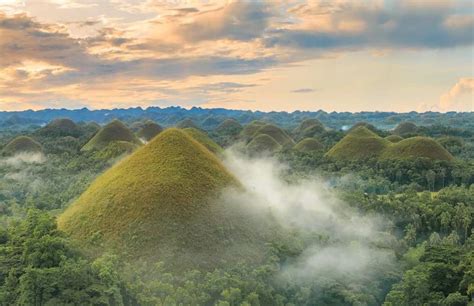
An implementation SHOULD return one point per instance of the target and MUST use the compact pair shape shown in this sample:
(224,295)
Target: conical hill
(113,131)
(160,204)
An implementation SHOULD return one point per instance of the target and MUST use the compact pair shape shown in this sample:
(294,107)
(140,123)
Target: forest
(220,207)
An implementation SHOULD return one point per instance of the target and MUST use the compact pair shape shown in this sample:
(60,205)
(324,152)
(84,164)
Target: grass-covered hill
(250,129)
(229,127)
(359,144)
(187,123)
(159,204)
(309,145)
(149,130)
(60,127)
(113,131)
(309,128)
(405,128)
(416,147)
(22,144)
(263,143)
(394,138)
(116,149)
(203,139)
(276,133)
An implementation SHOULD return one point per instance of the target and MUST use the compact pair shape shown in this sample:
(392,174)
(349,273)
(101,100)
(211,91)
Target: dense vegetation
(146,225)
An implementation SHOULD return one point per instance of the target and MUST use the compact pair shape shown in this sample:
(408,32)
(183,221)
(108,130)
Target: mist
(352,245)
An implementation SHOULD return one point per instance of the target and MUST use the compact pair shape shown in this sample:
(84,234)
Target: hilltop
(113,131)
(60,127)
(276,133)
(22,144)
(229,126)
(308,145)
(360,143)
(160,204)
(309,128)
(263,143)
(405,128)
(394,138)
(148,130)
(416,147)
(250,129)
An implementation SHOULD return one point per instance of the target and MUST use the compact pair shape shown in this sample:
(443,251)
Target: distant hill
(308,145)
(22,144)
(113,131)
(187,123)
(203,139)
(263,143)
(394,138)
(276,133)
(405,128)
(160,204)
(416,147)
(116,149)
(359,144)
(229,127)
(149,130)
(60,127)
(309,128)
(250,129)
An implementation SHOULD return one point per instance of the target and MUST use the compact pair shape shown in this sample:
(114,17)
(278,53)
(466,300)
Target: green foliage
(280,136)
(39,267)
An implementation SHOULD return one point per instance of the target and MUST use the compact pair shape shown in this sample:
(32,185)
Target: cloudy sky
(339,55)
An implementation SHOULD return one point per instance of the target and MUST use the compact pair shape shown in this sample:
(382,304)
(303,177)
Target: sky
(392,55)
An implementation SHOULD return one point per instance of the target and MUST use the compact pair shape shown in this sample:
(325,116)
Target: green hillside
(159,204)
(229,126)
(22,144)
(308,145)
(394,138)
(276,133)
(113,131)
(309,128)
(203,139)
(116,149)
(415,147)
(187,123)
(405,128)
(60,127)
(367,125)
(250,129)
(263,143)
(358,144)
(149,130)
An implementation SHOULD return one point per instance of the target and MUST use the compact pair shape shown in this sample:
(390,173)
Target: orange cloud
(451,99)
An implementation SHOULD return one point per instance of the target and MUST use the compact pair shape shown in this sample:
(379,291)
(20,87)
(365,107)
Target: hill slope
(415,147)
(60,127)
(276,133)
(263,143)
(308,145)
(159,204)
(359,144)
(203,139)
(229,126)
(113,131)
(22,144)
(405,128)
